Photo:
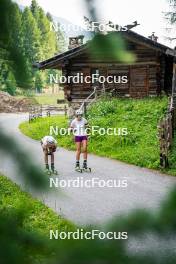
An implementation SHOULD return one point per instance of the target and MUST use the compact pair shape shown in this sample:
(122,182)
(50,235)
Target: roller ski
(50,172)
(85,168)
(47,170)
(53,170)
(79,170)
(77,167)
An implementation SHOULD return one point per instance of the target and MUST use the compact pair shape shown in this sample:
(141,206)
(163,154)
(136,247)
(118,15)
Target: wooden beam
(96,64)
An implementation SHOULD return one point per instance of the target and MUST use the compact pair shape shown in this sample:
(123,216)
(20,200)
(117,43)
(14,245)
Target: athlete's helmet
(79,112)
(50,140)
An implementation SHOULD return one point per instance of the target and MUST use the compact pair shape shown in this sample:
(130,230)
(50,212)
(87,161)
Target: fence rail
(97,93)
(38,111)
(35,112)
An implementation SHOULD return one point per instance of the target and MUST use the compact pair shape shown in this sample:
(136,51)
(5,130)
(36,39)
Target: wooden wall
(146,76)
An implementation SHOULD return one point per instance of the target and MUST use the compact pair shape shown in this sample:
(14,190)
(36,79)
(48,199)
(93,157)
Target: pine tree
(49,16)
(31,40)
(48,40)
(16,46)
(61,39)
(34,7)
(49,44)
(31,36)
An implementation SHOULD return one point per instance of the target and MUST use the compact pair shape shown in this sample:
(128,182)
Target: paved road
(146,188)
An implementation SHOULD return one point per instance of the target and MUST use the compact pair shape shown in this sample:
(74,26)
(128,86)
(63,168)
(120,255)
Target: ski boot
(77,167)
(53,170)
(47,170)
(85,168)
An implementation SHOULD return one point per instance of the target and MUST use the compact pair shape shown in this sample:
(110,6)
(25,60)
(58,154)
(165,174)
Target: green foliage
(39,217)
(34,177)
(31,37)
(110,47)
(61,39)
(34,7)
(25,38)
(10,84)
(38,82)
(172,158)
(11,44)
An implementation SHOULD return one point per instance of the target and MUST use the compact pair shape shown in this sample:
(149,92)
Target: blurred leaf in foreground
(32,175)
(110,47)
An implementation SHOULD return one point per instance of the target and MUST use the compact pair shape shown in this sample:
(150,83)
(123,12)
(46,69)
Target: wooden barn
(150,75)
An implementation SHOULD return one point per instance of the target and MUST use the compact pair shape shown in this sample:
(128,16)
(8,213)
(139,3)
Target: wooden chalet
(150,75)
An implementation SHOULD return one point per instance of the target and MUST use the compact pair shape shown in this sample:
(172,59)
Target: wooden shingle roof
(59,60)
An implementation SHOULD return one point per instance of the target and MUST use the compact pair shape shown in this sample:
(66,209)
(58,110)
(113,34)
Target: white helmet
(50,140)
(79,112)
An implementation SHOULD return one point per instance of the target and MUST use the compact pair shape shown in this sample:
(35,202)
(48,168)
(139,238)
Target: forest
(26,37)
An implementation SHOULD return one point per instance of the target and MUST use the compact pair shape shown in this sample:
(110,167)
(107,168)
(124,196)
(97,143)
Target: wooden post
(65,110)
(104,89)
(174,80)
(41,111)
(174,94)
(48,112)
(85,109)
(95,93)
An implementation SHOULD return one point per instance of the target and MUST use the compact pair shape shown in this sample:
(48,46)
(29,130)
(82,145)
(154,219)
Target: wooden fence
(166,129)
(38,111)
(35,112)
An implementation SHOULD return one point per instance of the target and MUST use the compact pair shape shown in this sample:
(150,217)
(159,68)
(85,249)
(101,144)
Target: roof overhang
(61,60)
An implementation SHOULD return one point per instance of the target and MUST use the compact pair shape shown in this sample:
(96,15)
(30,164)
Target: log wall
(146,76)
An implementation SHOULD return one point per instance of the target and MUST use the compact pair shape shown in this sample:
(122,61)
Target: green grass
(45,99)
(49,99)
(140,117)
(40,218)
(25,224)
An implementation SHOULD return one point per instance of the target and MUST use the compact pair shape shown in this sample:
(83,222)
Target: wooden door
(138,82)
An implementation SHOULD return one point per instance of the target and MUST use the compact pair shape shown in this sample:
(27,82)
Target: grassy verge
(49,99)
(29,218)
(45,99)
(140,117)
(40,217)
